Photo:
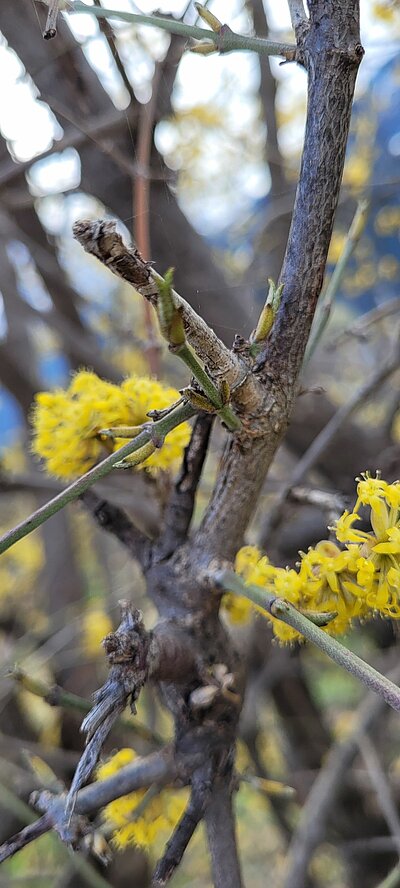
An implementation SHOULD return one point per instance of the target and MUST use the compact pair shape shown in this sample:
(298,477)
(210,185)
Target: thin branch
(326,437)
(177,844)
(373,845)
(331,503)
(326,302)
(369,320)
(297,14)
(54,695)
(117,522)
(160,427)
(179,509)
(160,768)
(224,41)
(24,837)
(96,127)
(382,788)
(108,32)
(141,205)
(283,610)
(220,823)
(102,240)
(327,786)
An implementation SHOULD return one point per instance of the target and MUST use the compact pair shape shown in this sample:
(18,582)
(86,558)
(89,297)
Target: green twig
(155,432)
(283,610)
(56,696)
(225,40)
(13,803)
(355,231)
(172,329)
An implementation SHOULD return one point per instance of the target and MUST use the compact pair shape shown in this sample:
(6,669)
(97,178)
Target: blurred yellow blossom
(144,825)
(67,423)
(20,567)
(384,11)
(96,624)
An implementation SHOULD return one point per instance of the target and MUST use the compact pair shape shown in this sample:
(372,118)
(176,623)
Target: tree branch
(297,14)
(382,788)
(101,240)
(179,509)
(326,788)
(116,521)
(227,41)
(331,51)
(220,823)
(160,427)
(283,610)
(176,846)
(24,837)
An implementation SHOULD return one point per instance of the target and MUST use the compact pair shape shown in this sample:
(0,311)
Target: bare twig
(331,503)
(177,844)
(220,823)
(362,325)
(325,438)
(50,30)
(179,509)
(24,837)
(141,204)
(297,14)
(107,30)
(353,236)
(117,522)
(381,785)
(326,788)
(160,768)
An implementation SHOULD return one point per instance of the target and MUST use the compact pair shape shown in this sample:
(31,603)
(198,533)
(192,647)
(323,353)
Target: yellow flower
(354,582)
(378,565)
(67,423)
(144,825)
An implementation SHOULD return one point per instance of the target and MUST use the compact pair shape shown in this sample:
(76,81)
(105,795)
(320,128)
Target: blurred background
(197,158)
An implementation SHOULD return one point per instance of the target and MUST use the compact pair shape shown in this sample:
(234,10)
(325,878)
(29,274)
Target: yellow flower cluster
(67,422)
(133,819)
(355,582)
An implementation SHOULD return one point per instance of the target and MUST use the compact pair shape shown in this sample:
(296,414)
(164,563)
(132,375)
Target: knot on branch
(127,651)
